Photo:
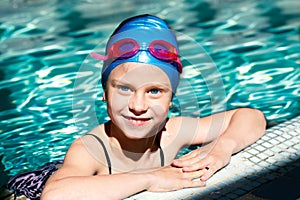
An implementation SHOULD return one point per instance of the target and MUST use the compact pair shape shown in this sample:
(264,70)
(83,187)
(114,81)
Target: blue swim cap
(144,29)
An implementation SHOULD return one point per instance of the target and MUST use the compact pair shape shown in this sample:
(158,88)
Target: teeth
(138,122)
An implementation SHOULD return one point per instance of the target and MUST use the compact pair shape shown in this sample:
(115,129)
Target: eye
(154,91)
(123,88)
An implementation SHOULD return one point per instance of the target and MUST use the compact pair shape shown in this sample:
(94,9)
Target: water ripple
(50,89)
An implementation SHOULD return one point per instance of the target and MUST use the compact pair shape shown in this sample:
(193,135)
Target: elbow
(49,194)
(261,122)
(258,121)
(53,195)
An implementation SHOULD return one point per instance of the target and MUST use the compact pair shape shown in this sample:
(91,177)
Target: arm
(116,186)
(228,133)
(241,127)
(76,179)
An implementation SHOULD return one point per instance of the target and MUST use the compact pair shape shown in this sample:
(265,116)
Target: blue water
(236,54)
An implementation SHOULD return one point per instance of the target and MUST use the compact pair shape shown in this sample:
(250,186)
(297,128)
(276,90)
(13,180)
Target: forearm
(115,186)
(245,127)
(241,128)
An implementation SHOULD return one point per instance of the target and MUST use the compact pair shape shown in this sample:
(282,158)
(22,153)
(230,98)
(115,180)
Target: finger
(194,183)
(191,179)
(188,155)
(197,165)
(194,175)
(209,171)
(186,162)
(197,183)
(188,159)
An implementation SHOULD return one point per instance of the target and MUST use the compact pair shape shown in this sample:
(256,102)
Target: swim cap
(144,29)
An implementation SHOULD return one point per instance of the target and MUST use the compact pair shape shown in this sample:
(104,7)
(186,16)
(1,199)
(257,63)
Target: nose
(138,104)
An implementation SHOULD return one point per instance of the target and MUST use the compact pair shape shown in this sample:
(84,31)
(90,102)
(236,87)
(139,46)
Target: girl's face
(138,99)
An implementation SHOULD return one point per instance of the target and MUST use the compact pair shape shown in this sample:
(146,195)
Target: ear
(104,97)
(170,104)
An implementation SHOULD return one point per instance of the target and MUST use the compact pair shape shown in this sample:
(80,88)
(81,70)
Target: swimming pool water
(50,89)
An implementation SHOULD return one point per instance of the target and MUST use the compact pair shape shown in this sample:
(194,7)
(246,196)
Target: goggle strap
(98,56)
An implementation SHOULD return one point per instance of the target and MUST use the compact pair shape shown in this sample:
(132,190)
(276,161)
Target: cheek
(117,102)
(160,110)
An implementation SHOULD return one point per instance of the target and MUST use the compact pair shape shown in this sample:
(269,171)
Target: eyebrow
(163,85)
(116,81)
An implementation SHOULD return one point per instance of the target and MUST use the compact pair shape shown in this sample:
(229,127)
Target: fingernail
(187,169)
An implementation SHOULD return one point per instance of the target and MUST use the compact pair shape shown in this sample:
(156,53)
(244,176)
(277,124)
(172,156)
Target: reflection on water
(50,91)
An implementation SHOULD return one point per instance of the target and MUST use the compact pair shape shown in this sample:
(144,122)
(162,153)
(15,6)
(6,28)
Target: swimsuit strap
(162,156)
(105,152)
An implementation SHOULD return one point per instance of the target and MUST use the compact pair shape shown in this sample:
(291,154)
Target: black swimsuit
(162,157)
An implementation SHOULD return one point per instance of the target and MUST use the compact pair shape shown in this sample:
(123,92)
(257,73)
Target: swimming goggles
(127,48)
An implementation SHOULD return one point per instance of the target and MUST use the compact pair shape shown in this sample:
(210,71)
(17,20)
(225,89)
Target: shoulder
(72,165)
(95,141)
(88,151)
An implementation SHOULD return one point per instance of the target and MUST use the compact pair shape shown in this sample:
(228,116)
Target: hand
(172,178)
(207,165)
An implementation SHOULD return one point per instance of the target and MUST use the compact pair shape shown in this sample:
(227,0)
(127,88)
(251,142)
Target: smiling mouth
(137,121)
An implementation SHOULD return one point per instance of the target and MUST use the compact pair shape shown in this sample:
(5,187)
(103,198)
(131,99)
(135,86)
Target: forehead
(139,74)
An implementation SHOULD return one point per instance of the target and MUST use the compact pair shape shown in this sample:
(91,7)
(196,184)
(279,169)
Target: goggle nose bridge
(144,45)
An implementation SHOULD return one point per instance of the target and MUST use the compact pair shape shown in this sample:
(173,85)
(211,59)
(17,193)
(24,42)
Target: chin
(139,134)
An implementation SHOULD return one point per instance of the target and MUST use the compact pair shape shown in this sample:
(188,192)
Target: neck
(129,145)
